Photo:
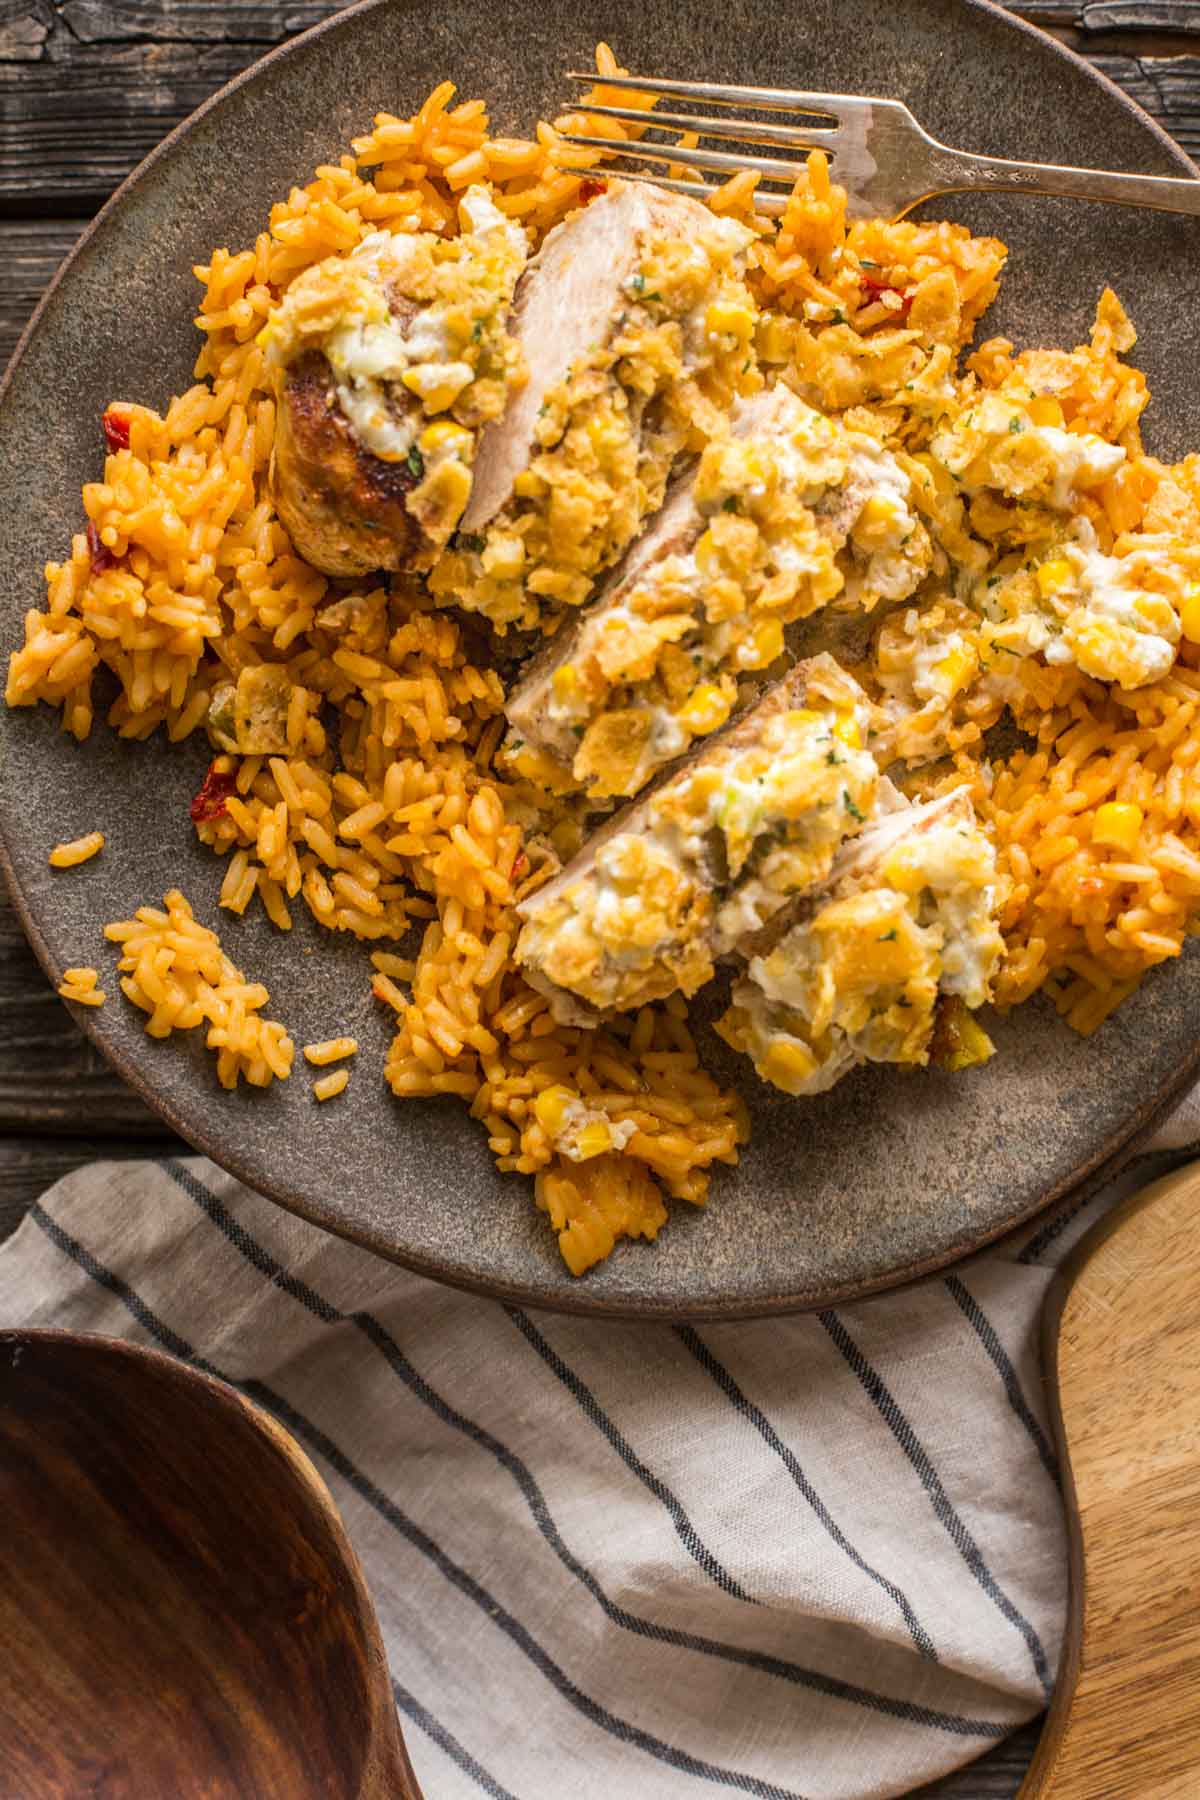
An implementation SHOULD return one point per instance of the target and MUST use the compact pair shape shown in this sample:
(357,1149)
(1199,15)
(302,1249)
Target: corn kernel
(1045,410)
(504,557)
(451,487)
(768,642)
(787,1062)
(849,731)
(706,553)
(264,337)
(879,510)
(955,669)
(901,873)
(1117,825)
(444,434)
(593,1140)
(438,384)
(705,708)
(1052,577)
(728,318)
(551,1108)
(776,338)
(1189,613)
(565,682)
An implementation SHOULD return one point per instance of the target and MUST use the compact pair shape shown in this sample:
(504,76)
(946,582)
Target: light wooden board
(1123,1353)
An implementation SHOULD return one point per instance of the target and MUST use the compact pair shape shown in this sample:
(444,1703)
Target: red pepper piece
(520,866)
(874,285)
(116,430)
(215,789)
(102,557)
(589,188)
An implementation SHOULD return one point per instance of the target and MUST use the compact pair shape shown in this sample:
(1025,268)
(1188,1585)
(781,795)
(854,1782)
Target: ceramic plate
(889,1176)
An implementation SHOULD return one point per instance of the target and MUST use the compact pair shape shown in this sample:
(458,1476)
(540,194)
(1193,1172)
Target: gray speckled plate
(890,1176)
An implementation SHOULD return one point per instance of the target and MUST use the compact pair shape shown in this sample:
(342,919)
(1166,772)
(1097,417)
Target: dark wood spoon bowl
(181,1612)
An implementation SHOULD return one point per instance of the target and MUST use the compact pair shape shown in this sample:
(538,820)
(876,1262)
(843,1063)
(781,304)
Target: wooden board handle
(1122,1343)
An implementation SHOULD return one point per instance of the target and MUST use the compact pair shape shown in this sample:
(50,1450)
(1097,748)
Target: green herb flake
(637,283)
(468,540)
(414,462)
(730,503)
(832,758)
(477,331)
(888,936)
(851,808)
(1015,425)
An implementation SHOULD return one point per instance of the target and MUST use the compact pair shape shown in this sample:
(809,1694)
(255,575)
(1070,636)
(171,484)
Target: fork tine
(722,161)
(768,202)
(835,106)
(746,130)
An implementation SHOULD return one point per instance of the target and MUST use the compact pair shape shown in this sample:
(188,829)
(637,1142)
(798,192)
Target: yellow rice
(175,970)
(332,1050)
(80,986)
(406,825)
(78,850)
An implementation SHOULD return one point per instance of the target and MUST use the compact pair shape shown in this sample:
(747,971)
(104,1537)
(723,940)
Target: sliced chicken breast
(703,862)
(760,535)
(387,363)
(636,327)
(905,924)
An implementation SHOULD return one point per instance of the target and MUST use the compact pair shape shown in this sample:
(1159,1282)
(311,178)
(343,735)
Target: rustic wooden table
(87,87)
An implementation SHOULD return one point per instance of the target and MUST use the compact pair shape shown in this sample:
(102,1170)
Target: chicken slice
(772,524)
(636,327)
(702,863)
(906,921)
(387,363)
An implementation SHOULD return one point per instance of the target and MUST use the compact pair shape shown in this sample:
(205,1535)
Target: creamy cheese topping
(997,442)
(859,978)
(1116,625)
(713,854)
(408,315)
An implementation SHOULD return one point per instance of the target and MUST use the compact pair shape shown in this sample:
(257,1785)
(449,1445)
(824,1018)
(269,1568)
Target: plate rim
(1110,1156)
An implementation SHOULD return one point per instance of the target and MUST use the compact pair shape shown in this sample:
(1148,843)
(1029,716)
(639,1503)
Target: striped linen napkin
(818,1556)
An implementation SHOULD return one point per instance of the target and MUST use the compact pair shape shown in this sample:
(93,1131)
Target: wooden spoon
(1122,1341)
(181,1612)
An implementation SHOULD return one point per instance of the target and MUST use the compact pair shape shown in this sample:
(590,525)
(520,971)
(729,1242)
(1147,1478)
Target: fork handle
(958,172)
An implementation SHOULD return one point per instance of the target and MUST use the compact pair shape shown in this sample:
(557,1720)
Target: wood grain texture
(52,1079)
(1106,16)
(1122,1341)
(30,252)
(88,87)
(177,1594)
(29,1165)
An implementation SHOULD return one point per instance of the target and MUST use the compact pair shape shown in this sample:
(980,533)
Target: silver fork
(880,154)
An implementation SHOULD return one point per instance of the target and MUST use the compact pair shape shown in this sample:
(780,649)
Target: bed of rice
(385,814)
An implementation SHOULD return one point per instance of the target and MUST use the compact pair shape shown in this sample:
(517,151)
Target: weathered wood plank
(30,1165)
(1182,16)
(31,250)
(190,21)
(52,1079)
(88,87)
(995,1776)
(1168,88)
